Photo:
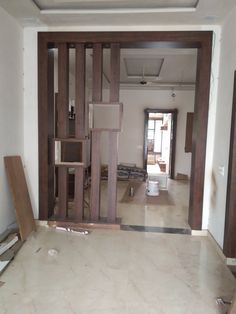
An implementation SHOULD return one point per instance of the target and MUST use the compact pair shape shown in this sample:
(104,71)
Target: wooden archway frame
(202,40)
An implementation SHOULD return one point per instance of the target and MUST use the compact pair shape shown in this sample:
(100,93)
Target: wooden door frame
(173,144)
(229,247)
(201,40)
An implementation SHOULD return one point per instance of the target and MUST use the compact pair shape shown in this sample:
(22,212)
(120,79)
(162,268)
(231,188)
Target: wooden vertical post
(97,72)
(113,136)
(79,127)
(199,135)
(96,135)
(112,176)
(80,91)
(51,133)
(43,126)
(115,73)
(79,193)
(62,123)
(96,176)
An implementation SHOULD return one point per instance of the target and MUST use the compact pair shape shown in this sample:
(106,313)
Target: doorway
(159,141)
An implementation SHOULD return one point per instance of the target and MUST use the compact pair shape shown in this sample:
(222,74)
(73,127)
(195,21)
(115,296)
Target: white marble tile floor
(170,216)
(111,271)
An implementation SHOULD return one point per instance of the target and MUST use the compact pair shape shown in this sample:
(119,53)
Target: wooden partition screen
(53,122)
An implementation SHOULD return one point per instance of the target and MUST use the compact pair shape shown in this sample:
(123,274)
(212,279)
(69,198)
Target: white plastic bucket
(152,188)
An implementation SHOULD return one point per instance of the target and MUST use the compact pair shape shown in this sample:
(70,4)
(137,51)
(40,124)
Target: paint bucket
(152,188)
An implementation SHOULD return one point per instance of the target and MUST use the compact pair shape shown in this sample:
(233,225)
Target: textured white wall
(132,137)
(11,106)
(222,128)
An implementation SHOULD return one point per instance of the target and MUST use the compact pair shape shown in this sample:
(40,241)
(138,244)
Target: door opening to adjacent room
(159,141)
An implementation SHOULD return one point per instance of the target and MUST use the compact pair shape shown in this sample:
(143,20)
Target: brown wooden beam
(51,134)
(173,39)
(79,193)
(113,136)
(199,136)
(79,126)
(230,215)
(43,127)
(96,136)
(97,72)
(80,91)
(63,91)
(112,176)
(115,73)
(62,123)
(96,176)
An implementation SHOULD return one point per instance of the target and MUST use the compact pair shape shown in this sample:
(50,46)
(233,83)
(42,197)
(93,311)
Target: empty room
(118,156)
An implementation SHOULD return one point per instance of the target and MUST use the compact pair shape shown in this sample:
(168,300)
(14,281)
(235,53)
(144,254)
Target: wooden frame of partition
(201,40)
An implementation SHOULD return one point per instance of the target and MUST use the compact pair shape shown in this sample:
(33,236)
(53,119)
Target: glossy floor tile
(115,272)
(169,216)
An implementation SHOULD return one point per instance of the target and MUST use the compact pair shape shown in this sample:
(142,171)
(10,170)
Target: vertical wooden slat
(79,193)
(43,126)
(96,176)
(115,73)
(199,136)
(80,91)
(63,91)
(113,136)
(62,123)
(112,176)
(96,136)
(51,133)
(97,72)
(189,132)
(79,127)
(173,143)
(62,191)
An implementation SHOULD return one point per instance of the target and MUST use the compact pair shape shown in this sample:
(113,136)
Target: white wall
(31,113)
(11,106)
(222,128)
(132,136)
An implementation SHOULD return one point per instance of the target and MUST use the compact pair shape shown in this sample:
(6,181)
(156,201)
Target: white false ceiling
(177,68)
(113,4)
(118,13)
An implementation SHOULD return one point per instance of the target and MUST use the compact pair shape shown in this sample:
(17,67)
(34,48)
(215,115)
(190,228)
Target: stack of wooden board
(12,240)
(10,244)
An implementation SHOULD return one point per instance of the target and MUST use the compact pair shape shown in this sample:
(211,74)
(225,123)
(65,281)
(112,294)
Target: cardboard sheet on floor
(20,194)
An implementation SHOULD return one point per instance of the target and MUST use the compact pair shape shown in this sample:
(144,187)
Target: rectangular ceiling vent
(135,5)
(140,67)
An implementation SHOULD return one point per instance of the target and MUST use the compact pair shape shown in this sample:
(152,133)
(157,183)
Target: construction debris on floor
(73,230)
(10,244)
(12,240)
(126,172)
